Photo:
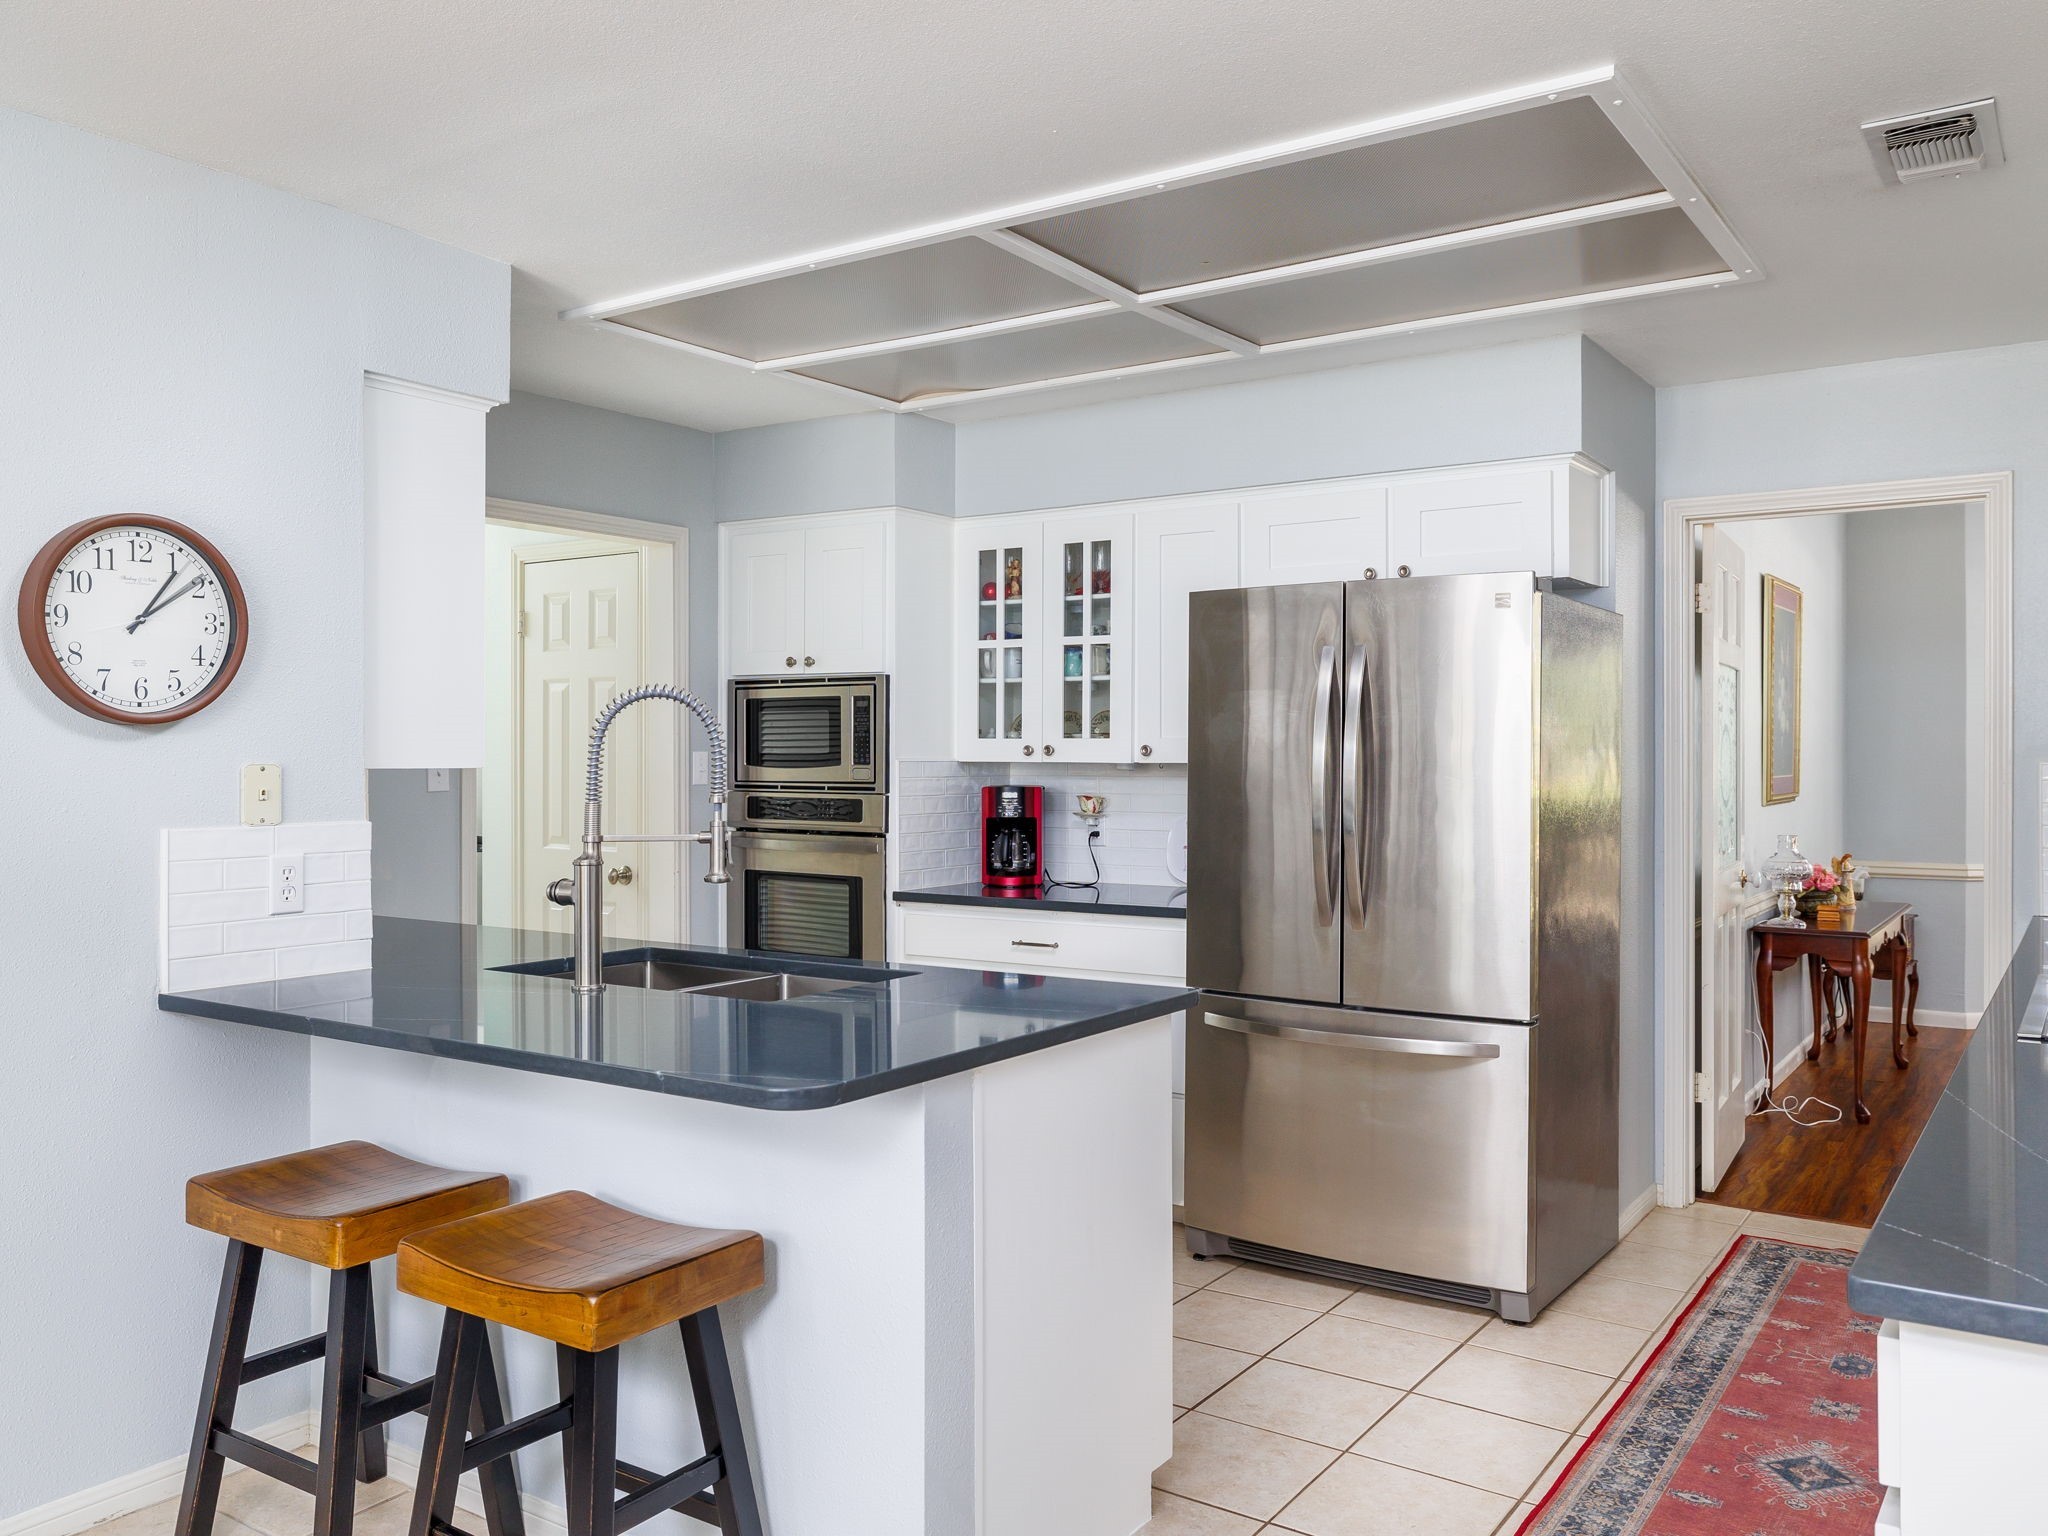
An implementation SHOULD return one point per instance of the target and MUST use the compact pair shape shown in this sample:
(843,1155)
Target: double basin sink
(656,971)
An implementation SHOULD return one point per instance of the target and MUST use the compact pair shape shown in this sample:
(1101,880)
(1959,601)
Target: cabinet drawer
(1137,948)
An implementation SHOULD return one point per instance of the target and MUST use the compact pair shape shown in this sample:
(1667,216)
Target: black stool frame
(717,1488)
(356,1401)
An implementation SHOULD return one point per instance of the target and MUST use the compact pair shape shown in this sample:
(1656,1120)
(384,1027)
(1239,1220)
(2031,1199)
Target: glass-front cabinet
(1048,606)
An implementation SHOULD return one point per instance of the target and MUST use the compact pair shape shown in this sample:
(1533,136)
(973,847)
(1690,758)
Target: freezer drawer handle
(1031,944)
(1400,1044)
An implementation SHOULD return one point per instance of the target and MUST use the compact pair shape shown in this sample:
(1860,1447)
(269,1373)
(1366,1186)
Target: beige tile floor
(1308,1408)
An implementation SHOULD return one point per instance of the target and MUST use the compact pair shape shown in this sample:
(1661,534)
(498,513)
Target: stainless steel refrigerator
(1404,867)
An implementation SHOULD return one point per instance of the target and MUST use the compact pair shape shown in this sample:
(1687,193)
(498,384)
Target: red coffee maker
(1012,819)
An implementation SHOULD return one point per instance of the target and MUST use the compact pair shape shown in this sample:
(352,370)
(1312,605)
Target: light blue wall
(835,464)
(1453,408)
(1907,418)
(190,344)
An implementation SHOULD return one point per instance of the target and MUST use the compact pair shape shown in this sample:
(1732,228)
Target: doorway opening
(1837,672)
(579,608)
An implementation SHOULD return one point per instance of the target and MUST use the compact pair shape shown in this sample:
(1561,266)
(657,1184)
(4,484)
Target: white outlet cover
(287,882)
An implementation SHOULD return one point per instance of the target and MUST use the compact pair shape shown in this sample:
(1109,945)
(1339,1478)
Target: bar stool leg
(341,1400)
(455,1376)
(225,1352)
(718,1418)
(371,1465)
(503,1513)
(590,1448)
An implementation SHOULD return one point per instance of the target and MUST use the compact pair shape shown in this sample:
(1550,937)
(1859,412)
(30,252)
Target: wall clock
(133,619)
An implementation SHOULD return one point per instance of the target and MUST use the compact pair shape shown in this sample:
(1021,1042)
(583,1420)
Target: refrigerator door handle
(1398,1044)
(1322,846)
(1353,787)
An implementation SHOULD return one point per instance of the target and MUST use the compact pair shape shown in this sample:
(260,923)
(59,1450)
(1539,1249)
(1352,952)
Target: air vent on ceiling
(1946,142)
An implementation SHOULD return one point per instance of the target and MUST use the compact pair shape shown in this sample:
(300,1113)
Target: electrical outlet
(287,882)
(262,794)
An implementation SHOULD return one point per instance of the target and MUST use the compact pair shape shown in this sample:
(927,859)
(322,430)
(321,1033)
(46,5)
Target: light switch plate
(262,794)
(287,882)
(700,767)
(437,780)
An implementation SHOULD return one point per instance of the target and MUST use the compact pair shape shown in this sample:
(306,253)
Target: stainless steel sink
(670,975)
(740,984)
(776,987)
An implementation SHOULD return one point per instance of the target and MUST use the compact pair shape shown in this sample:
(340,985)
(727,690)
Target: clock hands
(158,603)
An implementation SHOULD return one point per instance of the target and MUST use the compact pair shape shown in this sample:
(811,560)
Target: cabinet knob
(812,661)
(1144,751)
(1029,750)
(1048,749)
(789,661)
(1406,572)
(1372,573)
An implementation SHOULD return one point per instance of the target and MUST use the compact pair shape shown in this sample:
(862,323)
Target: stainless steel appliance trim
(1320,777)
(854,856)
(1406,1045)
(847,687)
(1353,776)
(873,820)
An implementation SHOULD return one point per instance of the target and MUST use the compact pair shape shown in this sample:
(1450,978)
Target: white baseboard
(1927,1018)
(137,1490)
(1633,1213)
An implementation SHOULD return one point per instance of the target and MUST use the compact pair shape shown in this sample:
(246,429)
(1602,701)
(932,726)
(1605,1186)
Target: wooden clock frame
(35,590)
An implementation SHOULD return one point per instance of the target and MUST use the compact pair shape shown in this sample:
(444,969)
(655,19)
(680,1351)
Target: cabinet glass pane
(1074,707)
(1073,569)
(985,715)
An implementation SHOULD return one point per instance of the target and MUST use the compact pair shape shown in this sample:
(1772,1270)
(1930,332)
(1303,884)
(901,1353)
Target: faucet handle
(562,892)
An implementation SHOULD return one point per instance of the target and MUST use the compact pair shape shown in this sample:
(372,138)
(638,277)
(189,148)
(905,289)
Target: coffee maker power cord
(1083,885)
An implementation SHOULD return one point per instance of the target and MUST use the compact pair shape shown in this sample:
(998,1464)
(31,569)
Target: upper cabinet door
(1001,608)
(1335,534)
(1179,551)
(846,591)
(765,587)
(1089,632)
(1498,520)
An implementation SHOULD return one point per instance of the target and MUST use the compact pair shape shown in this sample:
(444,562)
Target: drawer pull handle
(1031,944)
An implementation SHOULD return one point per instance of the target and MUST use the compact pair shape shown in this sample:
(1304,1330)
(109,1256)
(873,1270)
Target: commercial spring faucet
(581,889)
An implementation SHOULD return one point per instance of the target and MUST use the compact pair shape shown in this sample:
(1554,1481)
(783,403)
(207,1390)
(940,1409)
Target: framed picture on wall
(1784,614)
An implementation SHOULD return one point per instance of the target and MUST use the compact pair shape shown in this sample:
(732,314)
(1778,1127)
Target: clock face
(138,619)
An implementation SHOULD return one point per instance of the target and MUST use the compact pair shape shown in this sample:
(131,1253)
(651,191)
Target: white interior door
(1724,966)
(582,644)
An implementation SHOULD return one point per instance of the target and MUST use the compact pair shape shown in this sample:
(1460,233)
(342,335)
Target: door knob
(789,661)
(623,875)
(810,661)
(1406,572)
(1144,751)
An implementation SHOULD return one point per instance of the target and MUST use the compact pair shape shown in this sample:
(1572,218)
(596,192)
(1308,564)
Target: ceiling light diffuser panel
(1551,196)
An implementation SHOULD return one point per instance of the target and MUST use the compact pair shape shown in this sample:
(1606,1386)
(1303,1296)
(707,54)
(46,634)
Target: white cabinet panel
(1500,521)
(1333,534)
(846,623)
(1088,627)
(765,600)
(1179,550)
(1001,606)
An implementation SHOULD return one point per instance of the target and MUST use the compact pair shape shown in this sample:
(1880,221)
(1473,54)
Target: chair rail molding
(1677,983)
(1888,869)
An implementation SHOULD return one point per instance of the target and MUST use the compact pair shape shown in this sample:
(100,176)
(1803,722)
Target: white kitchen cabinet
(1316,533)
(1090,601)
(996,577)
(1177,551)
(1036,942)
(807,595)
(1549,518)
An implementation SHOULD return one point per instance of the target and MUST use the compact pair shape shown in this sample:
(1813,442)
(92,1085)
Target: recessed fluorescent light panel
(1550,196)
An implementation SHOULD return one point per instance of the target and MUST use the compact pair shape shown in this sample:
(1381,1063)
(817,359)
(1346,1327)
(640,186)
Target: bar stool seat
(340,1207)
(571,1268)
(590,1277)
(337,1206)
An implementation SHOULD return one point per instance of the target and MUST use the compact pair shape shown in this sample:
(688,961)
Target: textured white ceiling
(605,148)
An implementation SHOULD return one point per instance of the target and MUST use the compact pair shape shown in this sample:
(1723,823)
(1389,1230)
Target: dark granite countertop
(1962,1241)
(1112,900)
(441,989)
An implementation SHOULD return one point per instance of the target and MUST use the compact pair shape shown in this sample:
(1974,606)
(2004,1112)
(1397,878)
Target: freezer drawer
(1387,1141)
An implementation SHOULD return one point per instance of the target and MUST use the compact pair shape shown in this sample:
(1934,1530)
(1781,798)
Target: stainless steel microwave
(810,730)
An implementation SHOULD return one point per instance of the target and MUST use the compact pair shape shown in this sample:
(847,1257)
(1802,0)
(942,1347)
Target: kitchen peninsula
(965,1326)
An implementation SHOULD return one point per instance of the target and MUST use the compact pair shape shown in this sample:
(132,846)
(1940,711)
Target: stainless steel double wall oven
(810,813)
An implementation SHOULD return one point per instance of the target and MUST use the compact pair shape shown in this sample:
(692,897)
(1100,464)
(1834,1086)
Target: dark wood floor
(1843,1172)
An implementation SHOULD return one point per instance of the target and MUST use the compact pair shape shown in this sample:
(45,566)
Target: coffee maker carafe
(1011,818)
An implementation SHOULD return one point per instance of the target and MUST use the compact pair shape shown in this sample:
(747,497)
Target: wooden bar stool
(591,1277)
(340,1207)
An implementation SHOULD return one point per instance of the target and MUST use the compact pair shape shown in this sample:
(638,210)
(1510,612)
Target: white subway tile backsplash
(939,819)
(216,926)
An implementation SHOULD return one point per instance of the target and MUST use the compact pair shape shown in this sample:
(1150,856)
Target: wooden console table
(1877,929)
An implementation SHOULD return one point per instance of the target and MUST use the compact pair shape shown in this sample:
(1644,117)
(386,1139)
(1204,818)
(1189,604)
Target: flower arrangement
(1831,885)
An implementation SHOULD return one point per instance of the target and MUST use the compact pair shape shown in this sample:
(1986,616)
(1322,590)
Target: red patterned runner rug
(1757,1416)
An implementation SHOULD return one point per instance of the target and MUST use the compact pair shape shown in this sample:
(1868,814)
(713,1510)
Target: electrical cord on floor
(1791,1108)
(1083,885)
